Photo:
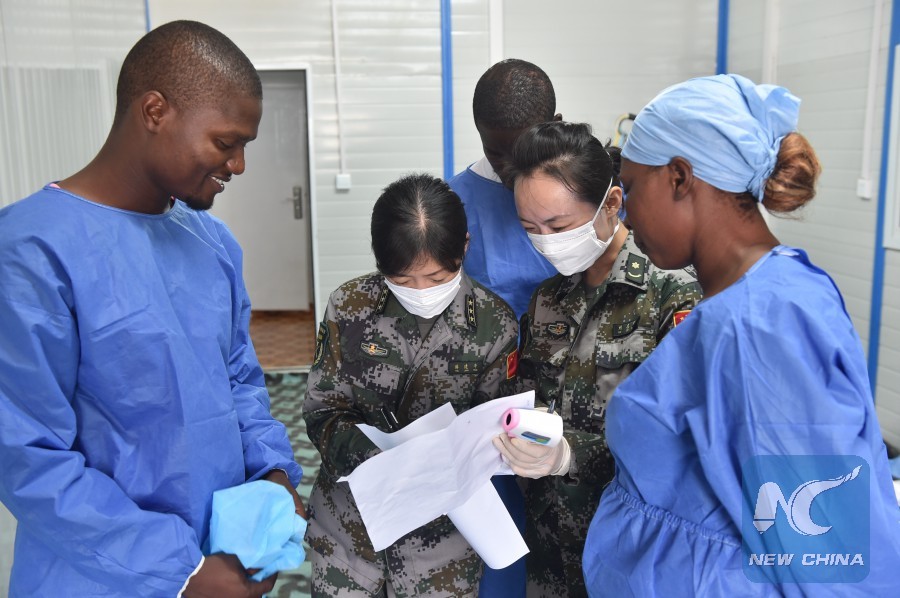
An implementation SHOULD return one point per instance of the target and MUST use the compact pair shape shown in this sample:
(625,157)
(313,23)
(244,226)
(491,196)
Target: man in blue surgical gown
(129,388)
(509,98)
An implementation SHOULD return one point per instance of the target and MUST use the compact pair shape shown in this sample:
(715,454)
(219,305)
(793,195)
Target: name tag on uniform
(625,328)
(465,367)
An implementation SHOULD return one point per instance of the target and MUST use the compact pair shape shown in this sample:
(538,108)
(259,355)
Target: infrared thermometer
(532,425)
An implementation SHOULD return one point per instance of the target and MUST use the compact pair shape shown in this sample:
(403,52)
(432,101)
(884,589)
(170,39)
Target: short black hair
(417,217)
(569,153)
(513,94)
(190,63)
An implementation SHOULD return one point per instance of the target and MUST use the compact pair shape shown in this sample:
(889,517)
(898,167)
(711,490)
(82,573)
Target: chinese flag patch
(679,316)
(512,364)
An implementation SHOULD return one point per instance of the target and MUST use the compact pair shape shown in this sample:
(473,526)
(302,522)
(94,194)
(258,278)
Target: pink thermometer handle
(510,419)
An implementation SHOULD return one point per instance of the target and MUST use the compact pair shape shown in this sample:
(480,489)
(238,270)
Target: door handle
(298,202)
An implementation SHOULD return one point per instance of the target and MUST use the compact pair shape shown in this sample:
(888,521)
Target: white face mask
(429,302)
(574,250)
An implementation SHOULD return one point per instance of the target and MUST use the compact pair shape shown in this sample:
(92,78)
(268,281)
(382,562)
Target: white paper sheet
(484,521)
(438,419)
(437,468)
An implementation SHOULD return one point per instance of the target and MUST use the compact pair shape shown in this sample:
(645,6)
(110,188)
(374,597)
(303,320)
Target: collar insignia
(470,312)
(635,268)
(382,300)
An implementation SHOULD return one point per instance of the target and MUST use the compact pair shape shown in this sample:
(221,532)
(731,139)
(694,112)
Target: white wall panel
(59,60)
(471,57)
(745,38)
(607,57)
(604,57)
(830,75)
(888,391)
(823,57)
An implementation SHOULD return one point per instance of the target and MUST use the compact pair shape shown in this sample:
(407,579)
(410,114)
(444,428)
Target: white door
(267,207)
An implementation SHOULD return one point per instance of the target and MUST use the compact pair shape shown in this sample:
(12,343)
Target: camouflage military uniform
(577,345)
(372,364)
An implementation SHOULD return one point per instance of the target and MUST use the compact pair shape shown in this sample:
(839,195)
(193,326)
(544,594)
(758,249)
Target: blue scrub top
(129,393)
(500,255)
(770,366)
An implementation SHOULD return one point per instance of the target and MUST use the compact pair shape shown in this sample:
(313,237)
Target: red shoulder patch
(679,317)
(512,364)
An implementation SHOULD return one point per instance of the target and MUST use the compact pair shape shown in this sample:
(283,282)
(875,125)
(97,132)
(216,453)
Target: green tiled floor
(287,392)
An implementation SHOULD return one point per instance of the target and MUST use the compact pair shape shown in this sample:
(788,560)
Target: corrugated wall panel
(889,397)
(830,76)
(471,57)
(745,38)
(60,61)
(607,57)
(823,56)
(888,391)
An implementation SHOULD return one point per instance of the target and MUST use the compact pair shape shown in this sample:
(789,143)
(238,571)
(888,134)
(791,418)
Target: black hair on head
(189,63)
(513,94)
(417,217)
(569,153)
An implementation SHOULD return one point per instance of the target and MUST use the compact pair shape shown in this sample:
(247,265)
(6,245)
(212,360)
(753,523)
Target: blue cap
(726,126)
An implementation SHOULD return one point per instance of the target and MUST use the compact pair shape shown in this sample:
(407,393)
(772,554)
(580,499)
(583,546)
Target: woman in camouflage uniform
(586,330)
(395,345)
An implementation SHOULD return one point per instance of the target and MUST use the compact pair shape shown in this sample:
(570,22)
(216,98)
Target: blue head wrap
(726,126)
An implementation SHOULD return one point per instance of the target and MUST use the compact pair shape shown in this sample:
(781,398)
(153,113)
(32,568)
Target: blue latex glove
(256,522)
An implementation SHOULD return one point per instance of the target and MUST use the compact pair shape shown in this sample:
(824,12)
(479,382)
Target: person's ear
(154,109)
(466,248)
(613,201)
(681,174)
(557,117)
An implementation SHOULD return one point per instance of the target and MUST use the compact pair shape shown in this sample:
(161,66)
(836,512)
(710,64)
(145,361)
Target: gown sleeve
(265,440)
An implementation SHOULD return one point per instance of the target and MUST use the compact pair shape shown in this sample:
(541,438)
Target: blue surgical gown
(500,255)
(770,366)
(129,393)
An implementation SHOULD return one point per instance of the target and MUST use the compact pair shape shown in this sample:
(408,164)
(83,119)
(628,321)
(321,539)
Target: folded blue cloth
(257,523)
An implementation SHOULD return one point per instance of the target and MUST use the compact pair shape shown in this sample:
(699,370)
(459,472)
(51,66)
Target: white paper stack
(441,463)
